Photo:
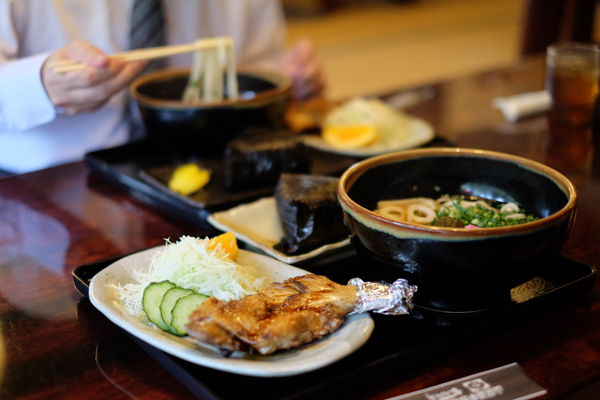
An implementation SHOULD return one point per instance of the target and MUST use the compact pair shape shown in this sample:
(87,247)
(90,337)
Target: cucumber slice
(184,307)
(168,302)
(153,296)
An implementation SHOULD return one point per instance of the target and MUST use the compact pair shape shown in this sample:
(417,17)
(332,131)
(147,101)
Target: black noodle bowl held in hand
(457,269)
(203,129)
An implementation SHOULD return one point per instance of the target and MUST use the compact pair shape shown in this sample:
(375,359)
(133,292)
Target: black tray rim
(576,288)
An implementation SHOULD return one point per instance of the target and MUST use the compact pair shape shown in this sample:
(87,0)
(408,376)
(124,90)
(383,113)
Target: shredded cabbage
(189,264)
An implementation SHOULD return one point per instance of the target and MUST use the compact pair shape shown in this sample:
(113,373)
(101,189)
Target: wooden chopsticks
(62,66)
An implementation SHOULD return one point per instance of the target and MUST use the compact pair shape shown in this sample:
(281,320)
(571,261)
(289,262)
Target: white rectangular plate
(355,331)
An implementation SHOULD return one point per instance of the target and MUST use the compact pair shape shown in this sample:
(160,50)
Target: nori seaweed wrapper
(309,212)
(259,156)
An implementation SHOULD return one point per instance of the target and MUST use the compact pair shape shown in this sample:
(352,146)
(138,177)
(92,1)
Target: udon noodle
(468,213)
(205,82)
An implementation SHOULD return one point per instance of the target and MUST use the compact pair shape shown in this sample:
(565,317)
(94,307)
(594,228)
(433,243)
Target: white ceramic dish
(351,336)
(421,133)
(257,224)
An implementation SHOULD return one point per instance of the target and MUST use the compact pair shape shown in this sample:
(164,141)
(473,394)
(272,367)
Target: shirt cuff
(24,102)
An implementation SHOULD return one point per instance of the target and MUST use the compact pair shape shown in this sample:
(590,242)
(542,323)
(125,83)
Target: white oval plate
(355,331)
(421,133)
(257,224)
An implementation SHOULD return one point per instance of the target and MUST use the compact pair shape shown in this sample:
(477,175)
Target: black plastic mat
(397,343)
(139,168)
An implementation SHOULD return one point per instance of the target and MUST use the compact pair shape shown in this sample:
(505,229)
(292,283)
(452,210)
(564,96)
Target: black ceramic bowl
(204,129)
(458,270)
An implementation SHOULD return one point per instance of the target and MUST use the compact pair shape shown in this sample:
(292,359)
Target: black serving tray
(141,169)
(398,343)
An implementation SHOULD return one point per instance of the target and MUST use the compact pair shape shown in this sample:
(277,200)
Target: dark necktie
(147,30)
(147,27)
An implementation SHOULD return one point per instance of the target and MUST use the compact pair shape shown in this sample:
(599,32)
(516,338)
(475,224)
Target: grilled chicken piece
(282,316)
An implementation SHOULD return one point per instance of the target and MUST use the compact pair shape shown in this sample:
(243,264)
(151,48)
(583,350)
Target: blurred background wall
(369,46)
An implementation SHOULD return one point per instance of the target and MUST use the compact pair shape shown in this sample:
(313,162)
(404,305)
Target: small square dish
(257,224)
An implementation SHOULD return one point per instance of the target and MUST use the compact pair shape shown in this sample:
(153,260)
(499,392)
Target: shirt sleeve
(24,102)
(265,34)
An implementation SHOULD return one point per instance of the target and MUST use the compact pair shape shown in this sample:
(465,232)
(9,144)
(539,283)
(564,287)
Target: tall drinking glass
(572,73)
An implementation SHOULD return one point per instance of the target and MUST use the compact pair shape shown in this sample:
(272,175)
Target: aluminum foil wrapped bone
(383,297)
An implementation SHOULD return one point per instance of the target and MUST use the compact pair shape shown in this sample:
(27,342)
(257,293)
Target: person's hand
(91,87)
(304,67)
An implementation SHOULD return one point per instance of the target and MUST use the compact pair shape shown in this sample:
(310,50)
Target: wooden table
(55,344)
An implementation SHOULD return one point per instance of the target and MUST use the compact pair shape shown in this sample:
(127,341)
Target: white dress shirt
(34,135)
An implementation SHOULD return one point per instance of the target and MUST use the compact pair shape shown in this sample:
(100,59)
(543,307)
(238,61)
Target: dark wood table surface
(55,344)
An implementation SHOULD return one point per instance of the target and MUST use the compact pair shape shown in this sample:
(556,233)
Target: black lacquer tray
(398,343)
(142,169)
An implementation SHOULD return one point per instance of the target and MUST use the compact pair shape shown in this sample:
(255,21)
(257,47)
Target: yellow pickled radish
(349,137)
(189,178)
(228,243)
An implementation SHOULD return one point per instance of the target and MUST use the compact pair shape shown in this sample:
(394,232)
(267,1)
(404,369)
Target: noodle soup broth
(457,269)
